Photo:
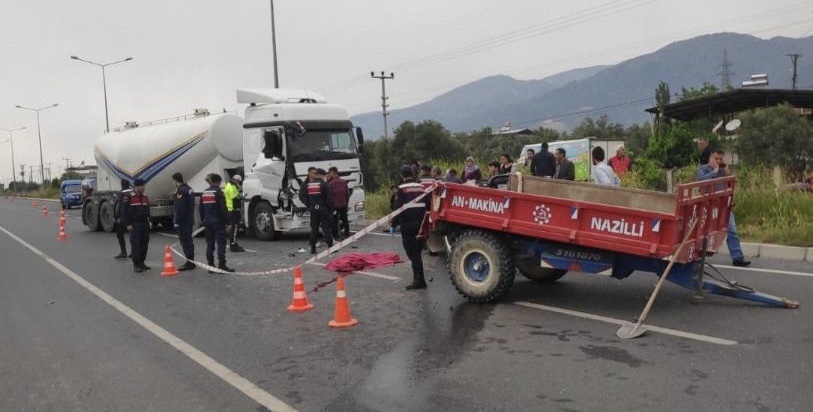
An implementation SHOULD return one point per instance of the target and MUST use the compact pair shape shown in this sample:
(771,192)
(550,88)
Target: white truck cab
(286,131)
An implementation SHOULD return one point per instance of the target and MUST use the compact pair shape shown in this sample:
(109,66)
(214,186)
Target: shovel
(633,330)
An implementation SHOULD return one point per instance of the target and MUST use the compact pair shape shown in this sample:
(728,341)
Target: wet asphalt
(62,348)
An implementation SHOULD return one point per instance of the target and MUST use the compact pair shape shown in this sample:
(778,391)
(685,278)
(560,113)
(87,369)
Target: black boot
(225,268)
(122,255)
(187,266)
(137,269)
(418,282)
(313,249)
(145,267)
(236,248)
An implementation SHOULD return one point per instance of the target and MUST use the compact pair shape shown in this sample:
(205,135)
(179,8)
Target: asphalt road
(79,331)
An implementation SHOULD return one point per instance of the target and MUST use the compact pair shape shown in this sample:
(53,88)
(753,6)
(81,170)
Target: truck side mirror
(360,137)
(273,144)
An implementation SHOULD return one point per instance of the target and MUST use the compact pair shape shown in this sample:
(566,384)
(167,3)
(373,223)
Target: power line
(579,112)
(569,20)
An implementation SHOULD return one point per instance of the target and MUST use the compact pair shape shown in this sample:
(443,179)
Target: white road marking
(619,322)
(779,272)
(232,378)
(361,272)
(168,235)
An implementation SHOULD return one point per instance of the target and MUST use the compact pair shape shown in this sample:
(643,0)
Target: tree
(672,145)
(776,136)
(637,138)
(692,93)
(662,96)
(602,129)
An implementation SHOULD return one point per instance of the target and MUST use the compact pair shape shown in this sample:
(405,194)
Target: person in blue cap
(136,218)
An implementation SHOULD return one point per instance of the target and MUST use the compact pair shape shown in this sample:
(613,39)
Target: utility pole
(274,46)
(67,163)
(30,174)
(22,173)
(49,171)
(384,97)
(793,58)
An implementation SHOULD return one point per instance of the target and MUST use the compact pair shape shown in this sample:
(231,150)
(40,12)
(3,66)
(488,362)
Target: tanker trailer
(195,145)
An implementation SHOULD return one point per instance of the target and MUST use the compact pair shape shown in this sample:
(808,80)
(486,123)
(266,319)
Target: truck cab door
(264,154)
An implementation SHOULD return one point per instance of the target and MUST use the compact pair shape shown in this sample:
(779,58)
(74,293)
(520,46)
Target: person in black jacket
(121,227)
(215,217)
(137,221)
(565,169)
(544,162)
(410,221)
(184,219)
(315,194)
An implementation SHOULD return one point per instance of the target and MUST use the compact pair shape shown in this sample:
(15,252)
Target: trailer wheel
(481,266)
(90,216)
(106,219)
(263,222)
(530,269)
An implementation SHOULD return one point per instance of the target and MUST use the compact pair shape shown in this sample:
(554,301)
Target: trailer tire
(106,219)
(90,216)
(263,222)
(481,266)
(532,271)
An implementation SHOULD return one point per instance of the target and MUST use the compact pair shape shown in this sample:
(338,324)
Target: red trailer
(545,228)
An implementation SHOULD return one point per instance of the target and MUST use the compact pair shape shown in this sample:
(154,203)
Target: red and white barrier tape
(336,246)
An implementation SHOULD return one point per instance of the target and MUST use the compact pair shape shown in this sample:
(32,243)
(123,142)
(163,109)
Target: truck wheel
(90,216)
(530,269)
(106,219)
(481,266)
(263,222)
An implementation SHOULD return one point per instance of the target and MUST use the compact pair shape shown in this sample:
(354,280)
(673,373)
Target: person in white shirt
(603,174)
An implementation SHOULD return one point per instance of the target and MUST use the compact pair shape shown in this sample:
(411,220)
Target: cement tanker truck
(284,133)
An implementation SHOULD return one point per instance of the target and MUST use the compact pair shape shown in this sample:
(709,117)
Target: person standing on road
(137,221)
(214,216)
(544,163)
(233,194)
(410,221)
(565,170)
(121,226)
(316,196)
(184,219)
(713,169)
(340,195)
(602,173)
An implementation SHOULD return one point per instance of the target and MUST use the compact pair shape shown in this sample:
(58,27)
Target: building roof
(734,101)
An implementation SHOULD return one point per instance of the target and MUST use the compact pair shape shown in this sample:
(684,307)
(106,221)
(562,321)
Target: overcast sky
(189,54)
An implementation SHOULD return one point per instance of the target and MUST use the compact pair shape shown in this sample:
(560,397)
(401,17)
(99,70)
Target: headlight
(359,207)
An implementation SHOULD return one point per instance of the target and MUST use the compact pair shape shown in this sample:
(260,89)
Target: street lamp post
(104,84)
(11,140)
(39,131)
(274,45)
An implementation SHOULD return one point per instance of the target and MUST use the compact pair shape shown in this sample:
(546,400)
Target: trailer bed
(638,222)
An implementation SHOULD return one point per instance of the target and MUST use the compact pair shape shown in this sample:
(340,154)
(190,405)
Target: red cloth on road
(362,261)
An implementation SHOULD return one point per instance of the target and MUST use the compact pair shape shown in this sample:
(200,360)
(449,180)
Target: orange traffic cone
(45,211)
(34,204)
(169,264)
(61,215)
(300,301)
(62,234)
(341,317)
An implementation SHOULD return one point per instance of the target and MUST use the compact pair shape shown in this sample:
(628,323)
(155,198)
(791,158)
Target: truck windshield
(73,189)
(318,145)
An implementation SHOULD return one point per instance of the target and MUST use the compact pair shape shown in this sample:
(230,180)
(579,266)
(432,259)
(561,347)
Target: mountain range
(621,91)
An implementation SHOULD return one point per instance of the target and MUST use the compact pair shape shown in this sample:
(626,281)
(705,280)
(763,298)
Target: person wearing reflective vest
(184,219)
(316,196)
(232,192)
(137,221)
(215,217)
(121,228)
(410,221)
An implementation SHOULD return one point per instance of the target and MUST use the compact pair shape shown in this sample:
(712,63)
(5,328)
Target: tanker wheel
(481,266)
(530,269)
(106,219)
(90,216)
(263,222)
